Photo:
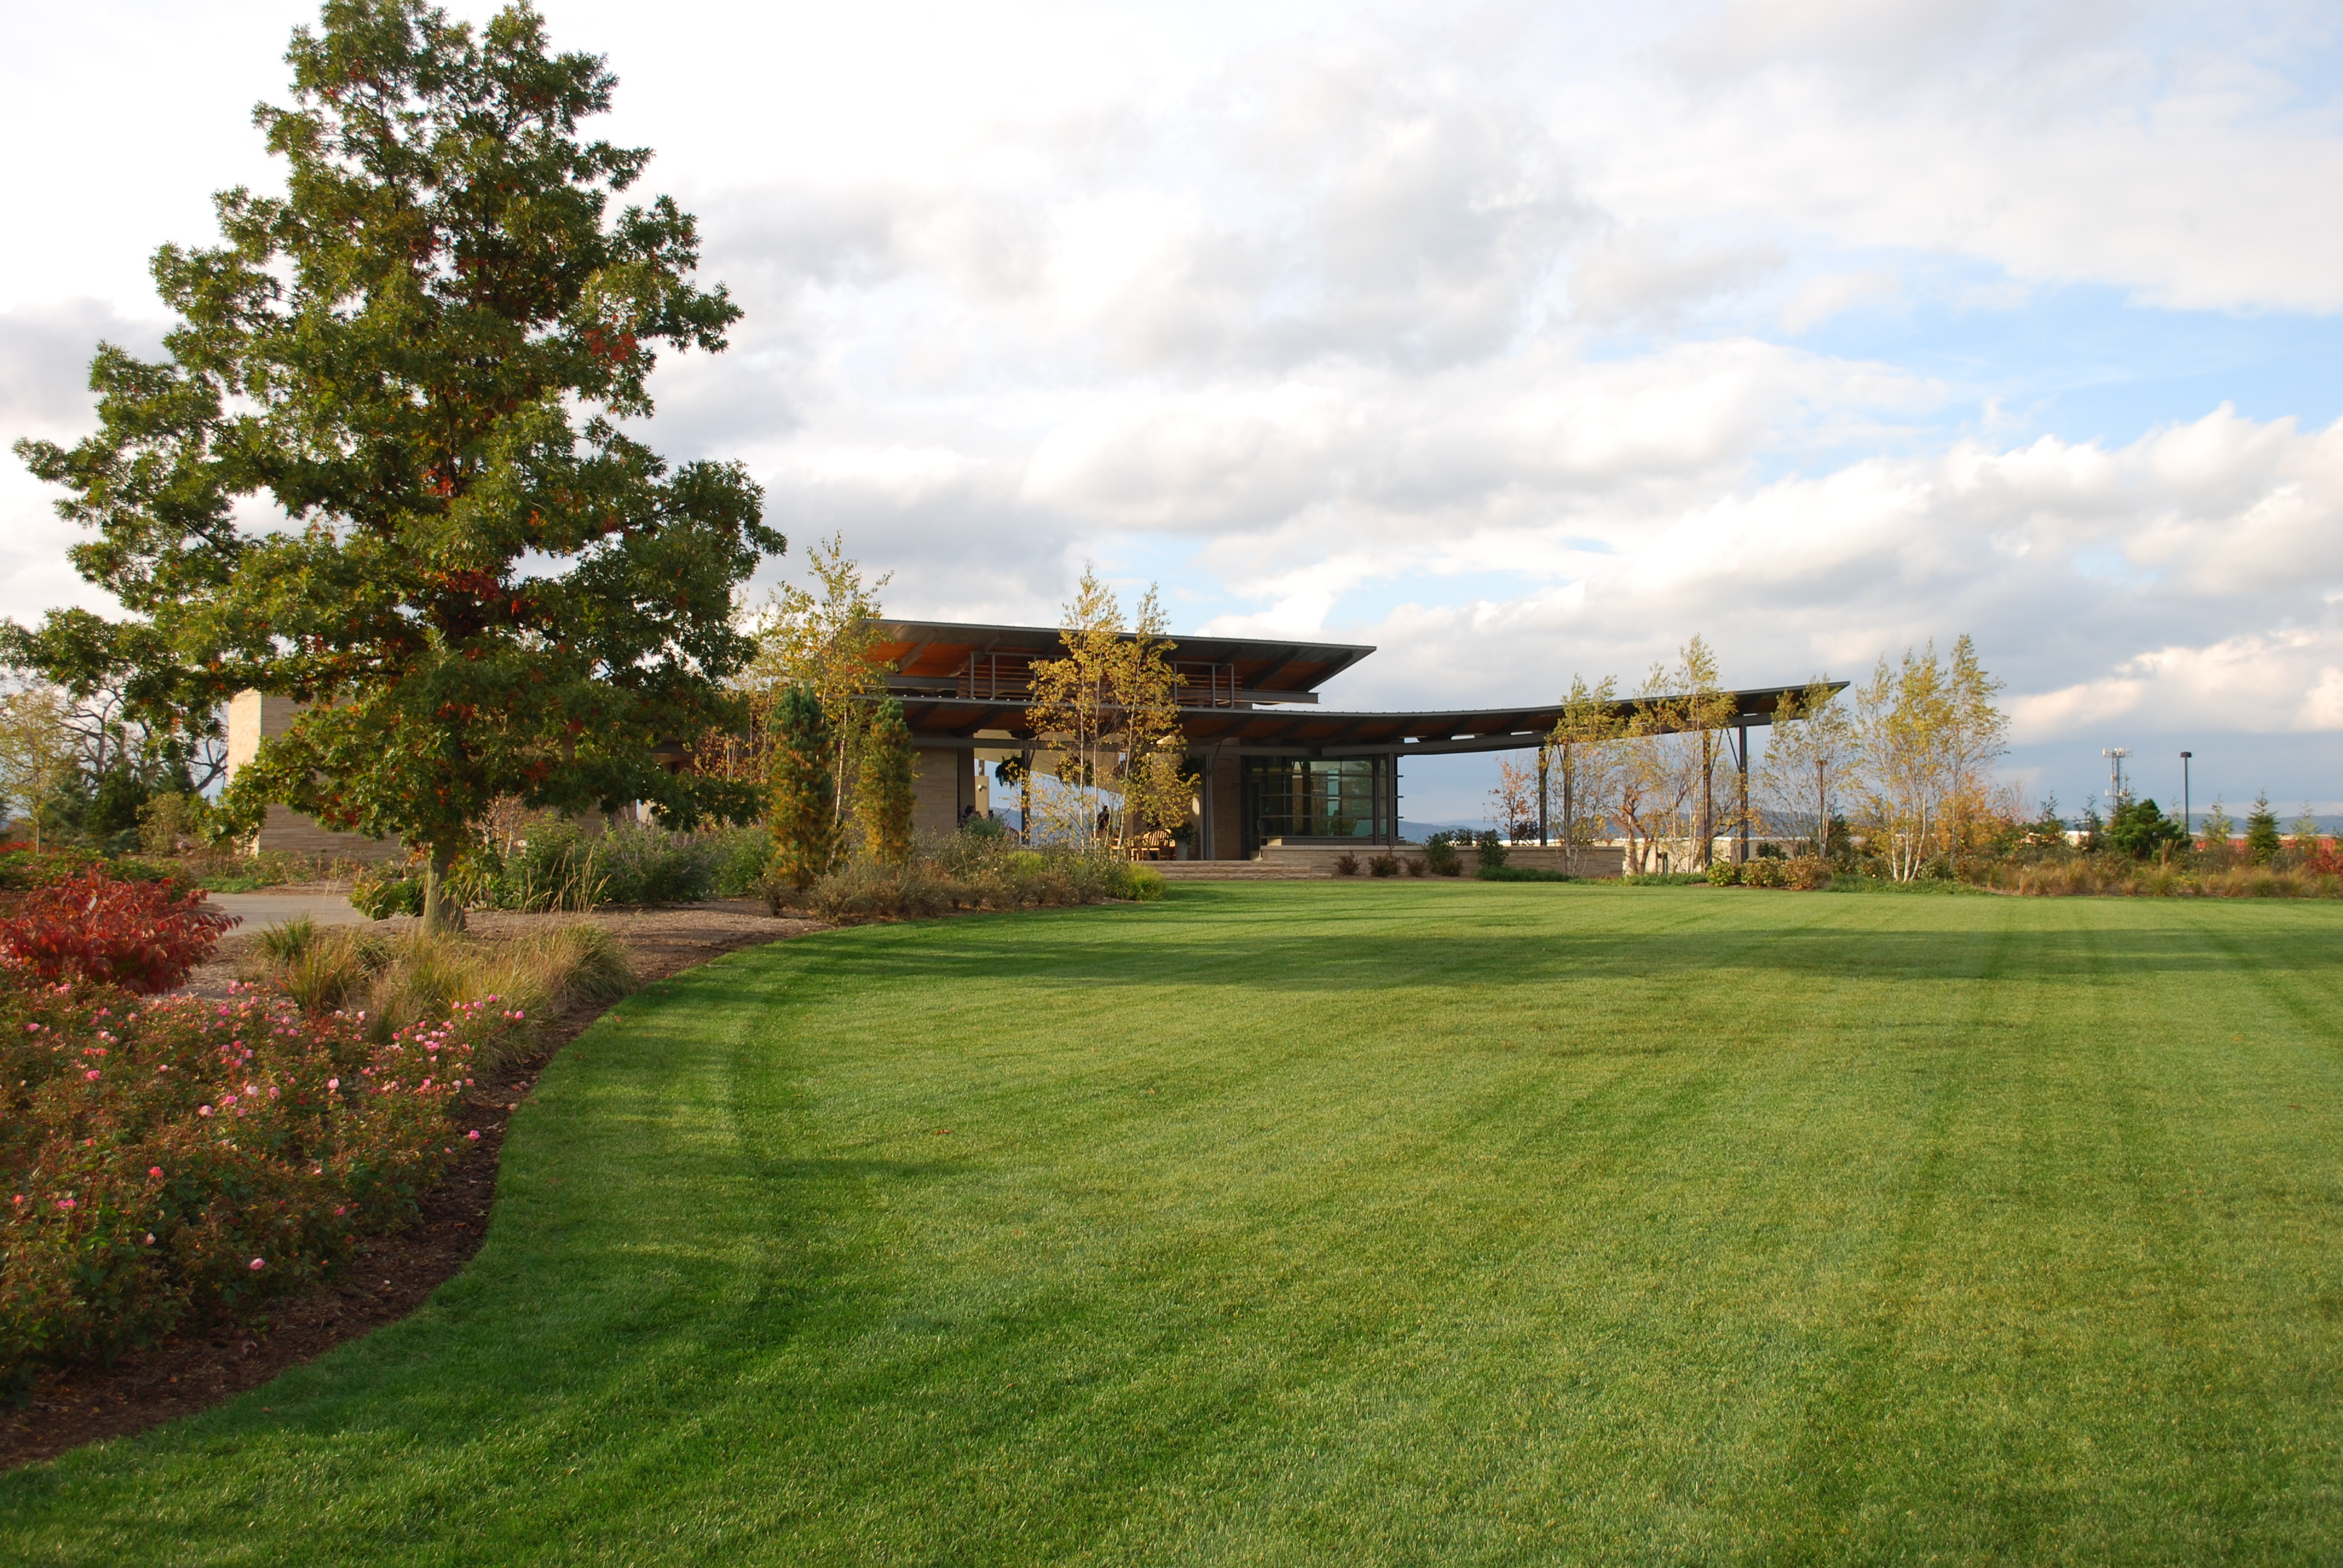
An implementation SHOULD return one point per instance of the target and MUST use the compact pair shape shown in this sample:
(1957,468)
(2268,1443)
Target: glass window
(1307,797)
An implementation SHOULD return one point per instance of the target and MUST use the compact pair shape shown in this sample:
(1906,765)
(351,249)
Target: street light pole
(2185,827)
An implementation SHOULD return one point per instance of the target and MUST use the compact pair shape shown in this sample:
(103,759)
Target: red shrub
(174,1160)
(141,936)
(2324,856)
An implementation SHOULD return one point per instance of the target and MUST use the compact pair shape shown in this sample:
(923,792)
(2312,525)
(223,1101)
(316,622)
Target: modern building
(1275,764)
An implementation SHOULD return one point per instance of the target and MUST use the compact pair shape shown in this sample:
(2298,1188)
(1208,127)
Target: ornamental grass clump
(166,1161)
(974,870)
(397,982)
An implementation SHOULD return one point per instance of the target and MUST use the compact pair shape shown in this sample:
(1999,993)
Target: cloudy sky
(1518,340)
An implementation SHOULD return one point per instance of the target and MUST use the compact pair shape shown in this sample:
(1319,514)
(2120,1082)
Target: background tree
(1811,748)
(2262,841)
(1583,748)
(37,751)
(823,640)
(883,796)
(2048,829)
(1666,777)
(2302,833)
(1977,737)
(2140,829)
(1513,800)
(1929,731)
(2217,828)
(475,594)
(1106,708)
(802,811)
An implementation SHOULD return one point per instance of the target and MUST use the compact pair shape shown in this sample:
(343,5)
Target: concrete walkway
(258,909)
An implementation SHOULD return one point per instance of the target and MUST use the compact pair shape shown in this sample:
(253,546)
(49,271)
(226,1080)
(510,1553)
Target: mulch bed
(393,1274)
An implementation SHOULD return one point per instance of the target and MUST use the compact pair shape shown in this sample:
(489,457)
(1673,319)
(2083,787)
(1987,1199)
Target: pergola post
(1543,838)
(1745,789)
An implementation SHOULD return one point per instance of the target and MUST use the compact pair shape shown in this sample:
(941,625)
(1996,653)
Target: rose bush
(163,1161)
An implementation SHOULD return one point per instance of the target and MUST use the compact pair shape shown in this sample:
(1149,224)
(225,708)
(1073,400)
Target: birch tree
(1977,737)
(1584,747)
(1665,791)
(1110,711)
(822,641)
(1909,715)
(1813,746)
(36,749)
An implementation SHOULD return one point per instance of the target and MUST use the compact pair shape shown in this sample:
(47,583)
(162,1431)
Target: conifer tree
(883,794)
(2262,842)
(2304,831)
(803,812)
(420,356)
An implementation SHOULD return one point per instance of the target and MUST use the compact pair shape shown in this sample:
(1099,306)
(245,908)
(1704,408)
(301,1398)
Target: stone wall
(943,780)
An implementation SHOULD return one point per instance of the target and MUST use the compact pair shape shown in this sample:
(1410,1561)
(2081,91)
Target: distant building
(1274,766)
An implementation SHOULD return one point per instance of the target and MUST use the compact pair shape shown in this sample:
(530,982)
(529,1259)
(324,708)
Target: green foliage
(1440,857)
(288,939)
(2216,830)
(2138,830)
(479,596)
(171,822)
(741,856)
(21,869)
(1723,874)
(1489,851)
(389,889)
(1521,874)
(2262,841)
(972,870)
(882,796)
(803,804)
(115,808)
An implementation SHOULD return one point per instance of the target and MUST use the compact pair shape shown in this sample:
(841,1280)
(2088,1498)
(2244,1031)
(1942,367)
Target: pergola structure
(1273,761)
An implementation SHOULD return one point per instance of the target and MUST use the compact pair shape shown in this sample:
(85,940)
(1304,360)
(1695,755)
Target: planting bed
(394,1273)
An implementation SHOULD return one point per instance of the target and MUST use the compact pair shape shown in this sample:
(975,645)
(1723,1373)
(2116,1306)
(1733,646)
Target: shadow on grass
(1368,948)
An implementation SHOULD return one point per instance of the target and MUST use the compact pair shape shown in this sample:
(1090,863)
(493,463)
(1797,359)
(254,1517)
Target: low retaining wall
(1301,862)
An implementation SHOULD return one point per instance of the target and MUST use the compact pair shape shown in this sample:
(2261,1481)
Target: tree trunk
(441,913)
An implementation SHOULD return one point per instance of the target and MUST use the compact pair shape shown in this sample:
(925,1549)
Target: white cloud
(1470,332)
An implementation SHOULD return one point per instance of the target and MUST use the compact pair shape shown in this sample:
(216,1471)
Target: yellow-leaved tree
(1108,711)
(821,641)
(1583,756)
(1666,790)
(1930,735)
(1813,746)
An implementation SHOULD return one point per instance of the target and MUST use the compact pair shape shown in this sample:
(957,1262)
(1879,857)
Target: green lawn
(1377,1224)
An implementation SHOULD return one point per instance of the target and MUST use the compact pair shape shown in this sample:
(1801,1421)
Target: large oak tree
(382,469)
